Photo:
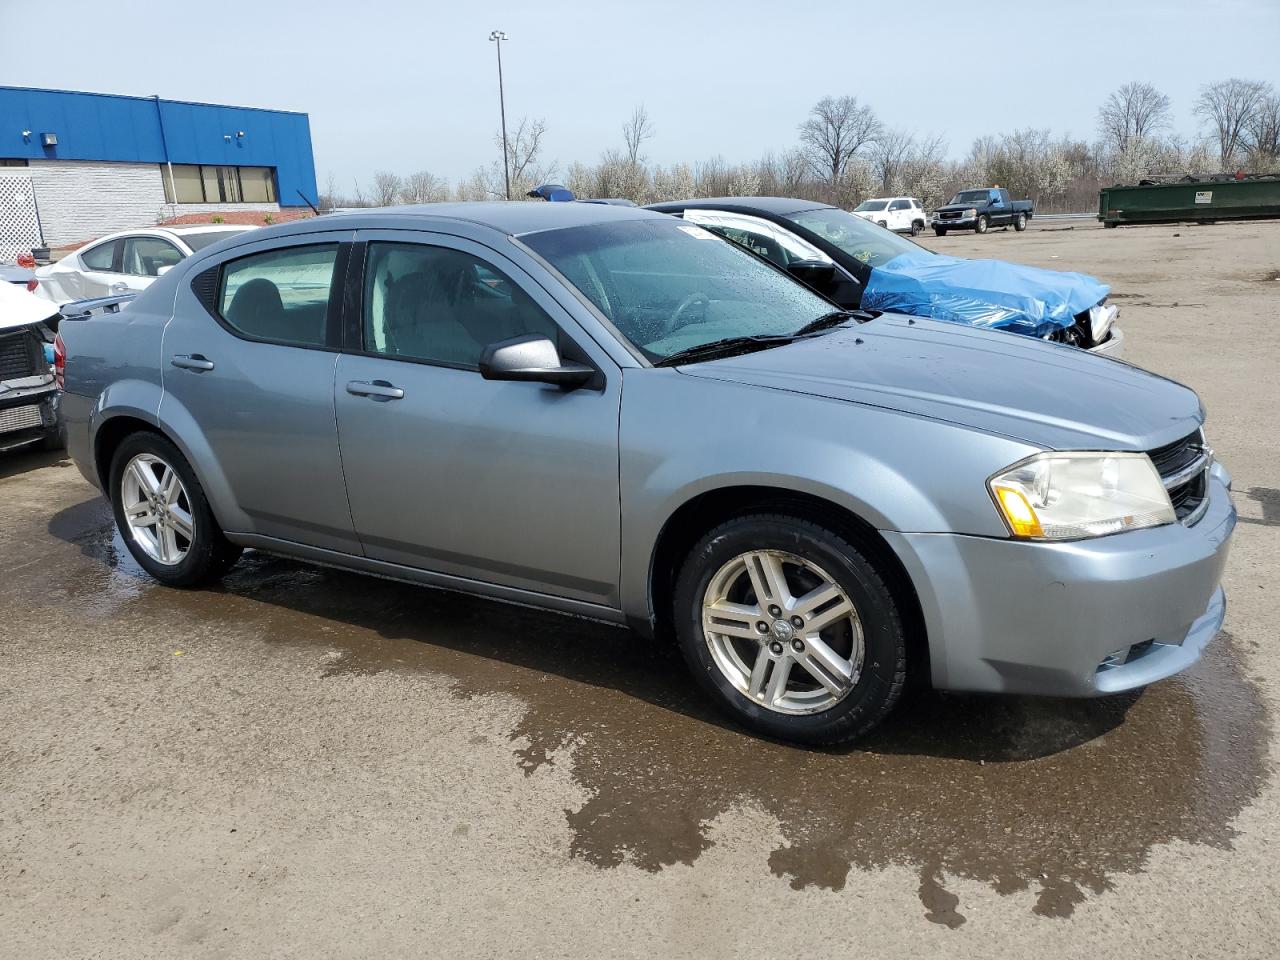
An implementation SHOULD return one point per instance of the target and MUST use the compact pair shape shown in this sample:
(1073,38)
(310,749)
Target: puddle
(1055,797)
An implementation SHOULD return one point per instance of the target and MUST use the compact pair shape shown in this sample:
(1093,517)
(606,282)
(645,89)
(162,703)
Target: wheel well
(108,438)
(688,524)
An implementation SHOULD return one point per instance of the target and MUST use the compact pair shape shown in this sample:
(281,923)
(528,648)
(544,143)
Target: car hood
(18,308)
(1052,396)
(960,206)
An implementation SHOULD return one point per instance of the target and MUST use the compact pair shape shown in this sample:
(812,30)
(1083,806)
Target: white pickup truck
(899,214)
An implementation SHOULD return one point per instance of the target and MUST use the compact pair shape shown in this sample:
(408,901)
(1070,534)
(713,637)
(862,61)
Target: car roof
(512,217)
(779,206)
(182,229)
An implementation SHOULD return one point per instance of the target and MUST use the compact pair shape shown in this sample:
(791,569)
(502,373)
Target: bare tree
(329,198)
(889,155)
(1262,135)
(1228,106)
(524,149)
(837,129)
(386,188)
(1136,111)
(636,131)
(424,187)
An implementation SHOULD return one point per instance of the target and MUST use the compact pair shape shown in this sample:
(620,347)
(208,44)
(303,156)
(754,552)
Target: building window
(197,183)
(12,162)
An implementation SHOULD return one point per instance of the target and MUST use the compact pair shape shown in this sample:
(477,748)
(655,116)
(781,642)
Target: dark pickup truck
(979,209)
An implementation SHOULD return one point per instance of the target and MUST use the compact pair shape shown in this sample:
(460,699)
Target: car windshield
(859,238)
(868,205)
(199,240)
(668,286)
(970,196)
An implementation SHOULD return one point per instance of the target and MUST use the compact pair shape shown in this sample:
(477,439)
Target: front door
(514,484)
(248,378)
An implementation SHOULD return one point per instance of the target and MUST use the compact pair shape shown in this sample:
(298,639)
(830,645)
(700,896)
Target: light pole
(497,36)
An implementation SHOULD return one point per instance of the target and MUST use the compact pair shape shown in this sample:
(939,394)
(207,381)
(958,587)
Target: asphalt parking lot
(304,762)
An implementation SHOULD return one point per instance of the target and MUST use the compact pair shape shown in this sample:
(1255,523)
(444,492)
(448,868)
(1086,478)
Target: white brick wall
(83,199)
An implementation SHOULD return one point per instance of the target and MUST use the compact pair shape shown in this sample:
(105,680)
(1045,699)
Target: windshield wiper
(833,319)
(730,346)
(727,347)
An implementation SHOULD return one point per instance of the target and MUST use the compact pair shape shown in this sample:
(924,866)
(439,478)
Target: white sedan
(127,262)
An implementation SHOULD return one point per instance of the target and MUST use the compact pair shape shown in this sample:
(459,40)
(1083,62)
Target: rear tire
(1020,224)
(917,228)
(982,224)
(831,662)
(163,515)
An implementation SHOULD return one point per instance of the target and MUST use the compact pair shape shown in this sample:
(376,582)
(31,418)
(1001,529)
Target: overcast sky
(405,86)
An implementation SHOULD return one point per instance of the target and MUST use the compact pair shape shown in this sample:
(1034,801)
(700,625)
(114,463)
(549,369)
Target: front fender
(682,437)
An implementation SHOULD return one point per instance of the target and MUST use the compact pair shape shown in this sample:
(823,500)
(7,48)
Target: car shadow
(25,459)
(1023,794)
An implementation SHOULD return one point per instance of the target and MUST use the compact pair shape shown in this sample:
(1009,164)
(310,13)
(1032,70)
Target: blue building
(84,164)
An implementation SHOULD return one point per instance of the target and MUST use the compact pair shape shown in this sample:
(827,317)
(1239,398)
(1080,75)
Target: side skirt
(442,581)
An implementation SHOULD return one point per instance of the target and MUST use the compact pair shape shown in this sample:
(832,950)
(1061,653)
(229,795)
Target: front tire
(1021,223)
(939,231)
(163,515)
(983,223)
(830,661)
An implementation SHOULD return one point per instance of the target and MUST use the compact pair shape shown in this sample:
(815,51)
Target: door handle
(193,362)
(378,390)
(120,287)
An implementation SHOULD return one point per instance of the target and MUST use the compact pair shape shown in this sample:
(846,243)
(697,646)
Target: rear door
(514,484)
(99,270)
(248,364)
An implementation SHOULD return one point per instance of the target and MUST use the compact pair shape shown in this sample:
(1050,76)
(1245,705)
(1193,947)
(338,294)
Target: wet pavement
(369,766)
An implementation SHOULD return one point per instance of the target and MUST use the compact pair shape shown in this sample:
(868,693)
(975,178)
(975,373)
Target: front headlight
(1068,496)
(971,212)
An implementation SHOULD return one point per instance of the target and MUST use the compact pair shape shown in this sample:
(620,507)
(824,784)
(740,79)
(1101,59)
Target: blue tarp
(982,293)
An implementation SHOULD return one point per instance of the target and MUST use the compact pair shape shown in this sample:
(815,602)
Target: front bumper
(959,223)
(1046,618)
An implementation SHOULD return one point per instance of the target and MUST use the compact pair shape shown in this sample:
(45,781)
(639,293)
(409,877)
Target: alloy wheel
(783,632)
(157,509)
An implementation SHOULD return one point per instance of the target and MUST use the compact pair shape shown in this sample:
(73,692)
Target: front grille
(21,355)
(950,215)
(1184,468)
(20,418)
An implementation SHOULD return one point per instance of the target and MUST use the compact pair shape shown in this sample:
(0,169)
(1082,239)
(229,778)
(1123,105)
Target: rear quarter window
(279,295)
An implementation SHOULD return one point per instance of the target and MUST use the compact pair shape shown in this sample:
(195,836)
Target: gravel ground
(306,763)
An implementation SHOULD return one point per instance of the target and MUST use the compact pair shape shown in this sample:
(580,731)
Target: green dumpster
(1200,198)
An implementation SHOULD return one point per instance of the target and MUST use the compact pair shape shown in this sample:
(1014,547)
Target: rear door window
(280,295)
(899,205)
(101,258)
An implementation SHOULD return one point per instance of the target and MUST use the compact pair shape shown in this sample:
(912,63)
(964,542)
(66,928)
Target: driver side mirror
(532,357)
(816,273)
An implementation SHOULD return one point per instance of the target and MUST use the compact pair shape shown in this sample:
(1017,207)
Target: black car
(802,237)
(843,257)
(977,210)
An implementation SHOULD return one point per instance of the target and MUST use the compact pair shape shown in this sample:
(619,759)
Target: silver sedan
(612,413)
